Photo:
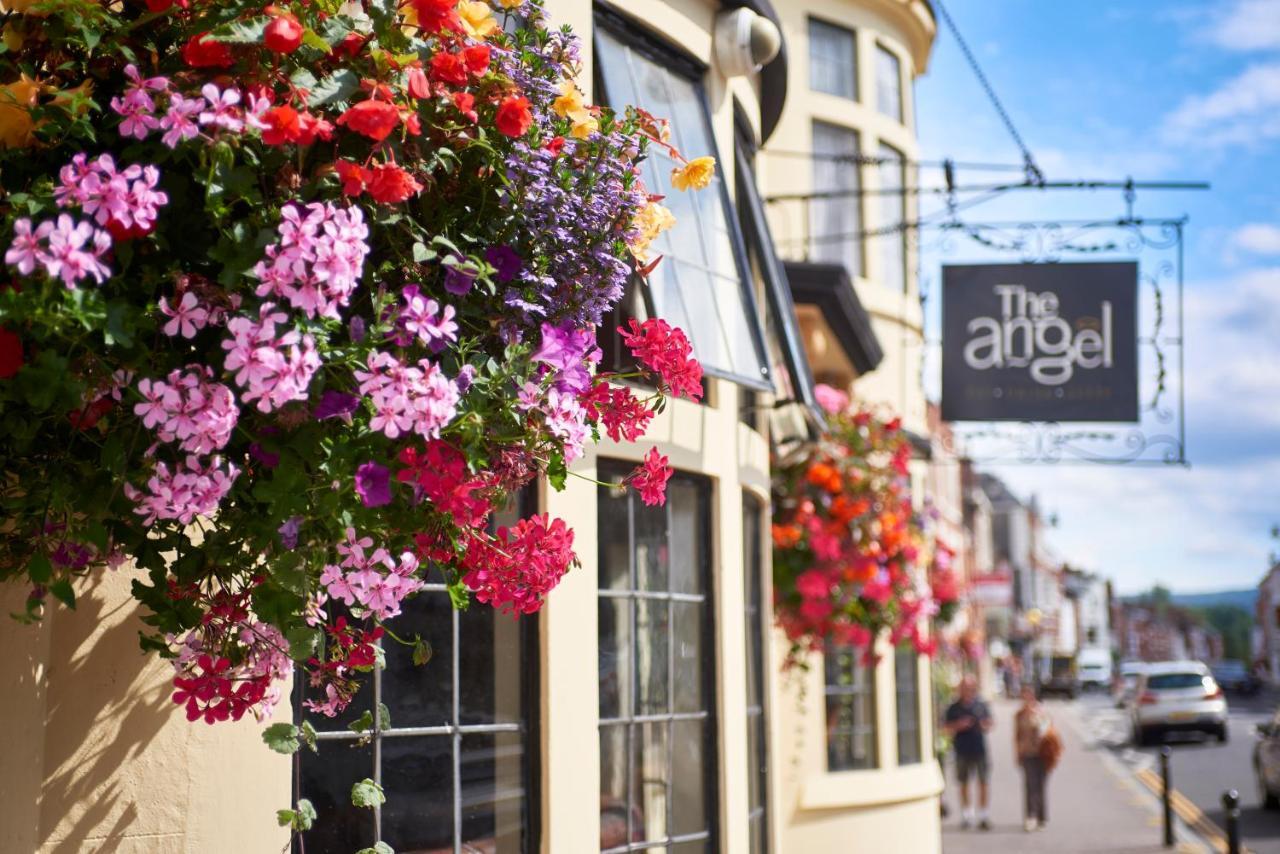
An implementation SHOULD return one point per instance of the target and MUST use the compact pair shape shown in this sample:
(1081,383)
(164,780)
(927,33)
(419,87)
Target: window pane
(613,786)
(907,682)
(688,806)
(685,503)
(832,60)
(493,774)
(888,83)
(652,776)
(702,247)
(653,556)
(421,695)
(417,775)
(325,780)
(491,652)
(851,710)
(688,652)
(615,546)
(834,221)
(652,635)
(893,211)
(615,657)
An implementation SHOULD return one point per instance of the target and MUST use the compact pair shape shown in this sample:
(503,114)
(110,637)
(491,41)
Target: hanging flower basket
(846,541)
(294,299)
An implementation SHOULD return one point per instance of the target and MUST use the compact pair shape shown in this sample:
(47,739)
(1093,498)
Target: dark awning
(828,288)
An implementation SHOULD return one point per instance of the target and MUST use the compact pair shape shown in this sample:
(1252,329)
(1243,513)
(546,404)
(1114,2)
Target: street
(1201,769)
(1104,796)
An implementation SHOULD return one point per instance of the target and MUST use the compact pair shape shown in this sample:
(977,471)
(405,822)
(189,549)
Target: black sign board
(1040,342)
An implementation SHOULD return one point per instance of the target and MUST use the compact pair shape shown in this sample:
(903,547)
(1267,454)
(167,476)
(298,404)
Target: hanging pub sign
(1040,342)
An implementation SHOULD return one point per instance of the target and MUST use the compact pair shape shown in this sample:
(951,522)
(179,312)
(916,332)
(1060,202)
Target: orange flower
(477,19)
(825,476)
(786,536)
(16,100)
(694,175)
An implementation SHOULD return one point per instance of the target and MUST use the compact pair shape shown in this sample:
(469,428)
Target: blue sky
(1172,90)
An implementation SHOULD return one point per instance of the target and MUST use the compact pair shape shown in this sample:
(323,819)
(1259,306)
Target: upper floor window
(888,83)
(701,285)
(448,740)
(851,710)
(658,789)
(893,212)
(835,212)
(833,60)
(906,680)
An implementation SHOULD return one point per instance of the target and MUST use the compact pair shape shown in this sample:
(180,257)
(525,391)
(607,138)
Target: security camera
(745,42)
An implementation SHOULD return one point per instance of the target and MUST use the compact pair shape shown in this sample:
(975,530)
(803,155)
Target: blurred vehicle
(1094,667)
(1061,678)
(1126,682)
(1177,696)
(1235,678)
(1266,762)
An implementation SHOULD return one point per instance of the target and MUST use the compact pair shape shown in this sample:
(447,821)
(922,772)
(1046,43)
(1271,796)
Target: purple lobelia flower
(289,532)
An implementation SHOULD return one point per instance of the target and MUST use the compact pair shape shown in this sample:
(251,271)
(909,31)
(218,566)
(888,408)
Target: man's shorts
(968,766)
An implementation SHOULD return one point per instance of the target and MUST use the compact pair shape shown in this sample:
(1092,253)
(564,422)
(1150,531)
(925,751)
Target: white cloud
(1247,25)
(1260,238)
(1242,111)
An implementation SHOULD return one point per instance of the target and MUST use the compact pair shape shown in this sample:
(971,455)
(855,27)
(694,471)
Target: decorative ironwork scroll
(1159,436)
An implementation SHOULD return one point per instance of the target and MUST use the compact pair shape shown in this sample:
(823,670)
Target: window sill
(833,790)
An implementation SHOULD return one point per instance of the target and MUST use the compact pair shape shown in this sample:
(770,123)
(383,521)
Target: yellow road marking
(1187,811)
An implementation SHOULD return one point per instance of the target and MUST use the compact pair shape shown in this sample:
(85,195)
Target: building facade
(650,684)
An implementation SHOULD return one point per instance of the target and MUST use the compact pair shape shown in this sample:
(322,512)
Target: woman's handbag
(1050,749)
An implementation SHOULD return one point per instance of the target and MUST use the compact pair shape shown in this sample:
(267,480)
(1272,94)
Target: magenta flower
(188,317)
(178,123)
(373,484)
(223,109)
(26,252)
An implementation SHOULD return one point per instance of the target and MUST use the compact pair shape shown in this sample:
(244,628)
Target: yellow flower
(649,222)
(570,100)
(696,174)
(477,19)
(511,4)
(16,100)
(584,124)
(7,6)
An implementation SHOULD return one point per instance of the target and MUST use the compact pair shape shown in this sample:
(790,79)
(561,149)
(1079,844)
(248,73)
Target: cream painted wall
(97,758)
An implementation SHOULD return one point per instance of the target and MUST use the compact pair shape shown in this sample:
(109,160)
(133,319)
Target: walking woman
(1031,725)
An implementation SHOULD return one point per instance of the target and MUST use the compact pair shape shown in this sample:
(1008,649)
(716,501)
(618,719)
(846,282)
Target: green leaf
(459,596)
(298,819)
(423,253)
(422,651)
(304,643)
(119,324)
(39,569)
(63,590)
(338,86)
(282,738)
(557,471)
(241,32)
(368,794)
(308,734)
(378,848)
(364,723)
(384,716)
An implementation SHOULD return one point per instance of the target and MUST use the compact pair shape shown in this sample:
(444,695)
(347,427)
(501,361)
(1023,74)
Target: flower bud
(283,34)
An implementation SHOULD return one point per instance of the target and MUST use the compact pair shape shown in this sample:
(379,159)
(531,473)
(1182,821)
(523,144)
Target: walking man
(968,720)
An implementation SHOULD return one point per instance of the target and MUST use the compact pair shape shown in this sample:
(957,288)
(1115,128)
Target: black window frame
(614,471)
(529,725)
(759,238)
(810,22)
(758,627)
(652,46)
(853,662)
(906,659)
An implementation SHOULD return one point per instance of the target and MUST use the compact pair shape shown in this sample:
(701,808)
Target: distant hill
(1244,599)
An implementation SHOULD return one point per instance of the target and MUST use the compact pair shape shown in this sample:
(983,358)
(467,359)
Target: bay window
(888,83)
(906,670)
(833,60)
(893,212)
(850,691)
(835,219)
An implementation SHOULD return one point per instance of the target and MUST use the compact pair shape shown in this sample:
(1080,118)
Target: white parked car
(1127,682)
(1177,696)
(1093,667)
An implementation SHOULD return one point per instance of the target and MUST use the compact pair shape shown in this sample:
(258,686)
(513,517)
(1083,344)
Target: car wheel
(1141,737)
(1223,735)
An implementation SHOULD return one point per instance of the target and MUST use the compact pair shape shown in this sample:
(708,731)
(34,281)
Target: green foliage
(367,793)
(301,818)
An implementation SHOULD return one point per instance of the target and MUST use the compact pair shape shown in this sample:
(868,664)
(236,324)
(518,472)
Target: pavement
(1096,801)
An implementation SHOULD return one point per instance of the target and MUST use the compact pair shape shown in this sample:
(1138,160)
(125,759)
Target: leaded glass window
(851,710)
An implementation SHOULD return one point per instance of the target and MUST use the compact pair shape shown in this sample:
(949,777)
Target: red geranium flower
(201,52)
(351,44)
(448,68)
(554,145)
(10,354)
(312,128)
(650,478)
(374,119)
(389,184)
(354,177)
(477,58)
(662,348)
(513,118)
(466,104)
